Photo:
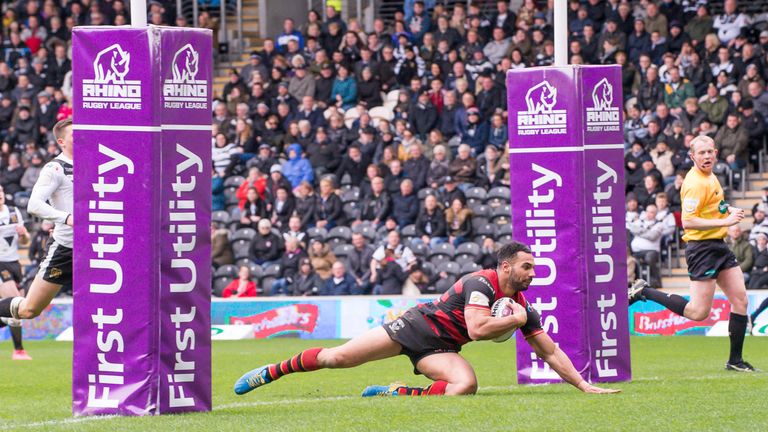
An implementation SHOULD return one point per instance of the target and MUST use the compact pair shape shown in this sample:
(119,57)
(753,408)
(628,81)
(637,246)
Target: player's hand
(589,388)
(70,220)
(21,230)
(734,218)
(519,312)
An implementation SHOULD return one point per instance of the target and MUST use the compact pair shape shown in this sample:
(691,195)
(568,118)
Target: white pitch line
(61,422)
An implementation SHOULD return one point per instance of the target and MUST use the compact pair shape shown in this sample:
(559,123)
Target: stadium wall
(349,316)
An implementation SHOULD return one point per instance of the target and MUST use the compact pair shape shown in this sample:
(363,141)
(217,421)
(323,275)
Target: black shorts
(416,337)
(707,258)
(10,271)
(56,267)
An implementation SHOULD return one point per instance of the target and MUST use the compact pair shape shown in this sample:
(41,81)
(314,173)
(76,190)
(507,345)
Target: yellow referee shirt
(702,197)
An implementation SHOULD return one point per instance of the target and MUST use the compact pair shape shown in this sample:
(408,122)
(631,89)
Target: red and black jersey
(445,316)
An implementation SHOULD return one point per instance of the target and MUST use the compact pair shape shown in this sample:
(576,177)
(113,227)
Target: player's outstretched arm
(545,348)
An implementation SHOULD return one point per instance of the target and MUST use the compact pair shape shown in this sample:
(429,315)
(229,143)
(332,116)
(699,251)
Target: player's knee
(334,359)
(698,314)
(468,387)
(26,313)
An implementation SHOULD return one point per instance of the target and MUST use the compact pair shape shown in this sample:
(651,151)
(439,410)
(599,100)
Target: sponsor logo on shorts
(54,273)
(183,89)
(396,325)
(109,89)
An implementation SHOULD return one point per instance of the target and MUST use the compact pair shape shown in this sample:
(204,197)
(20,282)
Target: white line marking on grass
(61,422)
(284,401)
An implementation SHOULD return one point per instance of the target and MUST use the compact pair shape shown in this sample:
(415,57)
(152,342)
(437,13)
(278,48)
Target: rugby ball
(502,308)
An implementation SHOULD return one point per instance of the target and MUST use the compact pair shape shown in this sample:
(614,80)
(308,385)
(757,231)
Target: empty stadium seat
(243,234)
(241,248)
(227,270)
(317,233)
(235,181)
(468,249)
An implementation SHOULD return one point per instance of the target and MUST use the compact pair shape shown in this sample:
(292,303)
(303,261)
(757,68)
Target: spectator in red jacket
(243,286)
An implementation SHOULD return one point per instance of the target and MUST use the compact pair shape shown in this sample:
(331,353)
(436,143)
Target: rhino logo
(185,63)
(602,95)
(111,65)
(541,98)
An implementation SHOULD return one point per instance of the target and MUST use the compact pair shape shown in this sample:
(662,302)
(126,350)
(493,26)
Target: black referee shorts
(10,271)
(56,268)
(418,340)
(707,258)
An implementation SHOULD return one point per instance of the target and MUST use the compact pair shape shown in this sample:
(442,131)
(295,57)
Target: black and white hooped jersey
(53,196)
(10,218)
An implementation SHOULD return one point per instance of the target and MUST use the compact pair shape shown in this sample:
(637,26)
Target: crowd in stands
(36,86)
(357,161)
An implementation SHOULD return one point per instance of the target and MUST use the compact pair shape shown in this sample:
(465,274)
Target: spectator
(754,123)
(416,168)
(651,91)
(369,89)
(730,22)
(741,249)
(391,276)
(488,252)
(10,176)
(646,242)
(376,206)
(438,168)
(732,141)
(306,203)
(423,115)
(281,209)
(341,282)
(353,163)
(221,250)
(322,258)
(255,180)
(458,221)
(344,90)
(289,266)
(323,154)
(700,25)
(243,286)
(464,168)
(677,90)
(490,171)
(646,195)
(758,277)
(498,135)
(297,168)
(405,205)
(328,208)
(714,106)
(254,210)
(662,158)
(359,262)
(289,34)
(431,223)
(222,153)
(265,246)
(306,282)
(219,201)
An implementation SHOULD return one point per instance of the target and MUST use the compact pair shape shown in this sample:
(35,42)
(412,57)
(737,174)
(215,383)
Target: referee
(706,218)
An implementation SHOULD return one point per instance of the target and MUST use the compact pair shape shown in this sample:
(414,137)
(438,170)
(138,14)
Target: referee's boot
(635,292)
(741,366)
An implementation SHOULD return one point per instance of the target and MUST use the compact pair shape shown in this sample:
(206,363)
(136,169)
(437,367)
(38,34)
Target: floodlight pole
(139,13)
(561,33)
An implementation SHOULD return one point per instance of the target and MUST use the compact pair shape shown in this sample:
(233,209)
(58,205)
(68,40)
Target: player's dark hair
(58,128)
(509,251)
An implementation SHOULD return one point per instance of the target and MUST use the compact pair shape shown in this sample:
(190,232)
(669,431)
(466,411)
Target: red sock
(437,388)
(305,361)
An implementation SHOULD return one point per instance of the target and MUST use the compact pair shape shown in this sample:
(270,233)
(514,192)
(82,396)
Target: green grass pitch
(679,385)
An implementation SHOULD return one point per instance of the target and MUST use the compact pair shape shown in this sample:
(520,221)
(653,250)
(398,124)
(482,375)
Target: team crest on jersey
(690,204)
(722,207)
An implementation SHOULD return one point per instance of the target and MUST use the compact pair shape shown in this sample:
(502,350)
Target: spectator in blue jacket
(498,134)
(344,90)
(217,188)
(341,282)
(289,33)
(297,168)
(476,135)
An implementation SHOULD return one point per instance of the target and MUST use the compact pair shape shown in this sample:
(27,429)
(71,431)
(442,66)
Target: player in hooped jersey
(12,231)
(432,334)
(51,199)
